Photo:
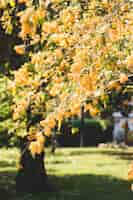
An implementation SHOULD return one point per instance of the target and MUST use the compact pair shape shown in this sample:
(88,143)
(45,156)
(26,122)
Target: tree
(77,53)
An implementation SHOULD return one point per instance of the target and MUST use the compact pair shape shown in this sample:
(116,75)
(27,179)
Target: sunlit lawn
(77,173)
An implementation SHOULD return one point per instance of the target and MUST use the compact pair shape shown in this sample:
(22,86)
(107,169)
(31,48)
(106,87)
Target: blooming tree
(77,53)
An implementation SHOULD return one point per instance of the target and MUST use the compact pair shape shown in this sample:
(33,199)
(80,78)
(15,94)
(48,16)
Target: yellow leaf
(20,49)
(123,78)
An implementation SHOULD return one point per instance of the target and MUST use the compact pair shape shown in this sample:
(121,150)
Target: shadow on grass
(64,161)
(121,154)
(72,187)
(92,186)
(7,185)
(7,164)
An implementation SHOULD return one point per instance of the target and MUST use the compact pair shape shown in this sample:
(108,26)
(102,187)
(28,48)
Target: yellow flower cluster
(20,49)
(19,110)
(130,173)
(21,76)
(29,21)
(37,147)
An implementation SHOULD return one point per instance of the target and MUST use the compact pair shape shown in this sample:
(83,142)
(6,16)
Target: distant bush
(95,132)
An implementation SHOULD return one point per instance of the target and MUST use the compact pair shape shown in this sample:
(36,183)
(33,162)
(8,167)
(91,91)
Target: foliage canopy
(76,53)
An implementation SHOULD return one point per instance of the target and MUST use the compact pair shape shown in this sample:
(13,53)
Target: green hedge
(95,131)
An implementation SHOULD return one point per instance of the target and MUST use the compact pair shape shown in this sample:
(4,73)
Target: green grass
(86,173)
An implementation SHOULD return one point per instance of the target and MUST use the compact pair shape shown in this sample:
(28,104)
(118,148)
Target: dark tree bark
(82,127)
(32,176)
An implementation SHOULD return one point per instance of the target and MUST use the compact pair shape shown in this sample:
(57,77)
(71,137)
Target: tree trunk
(31,177)
(53,142)
(82,127)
